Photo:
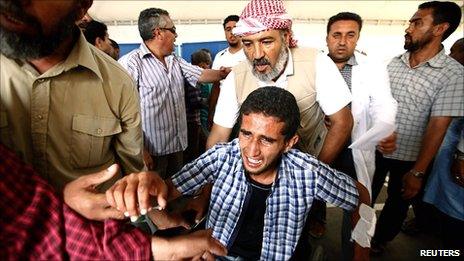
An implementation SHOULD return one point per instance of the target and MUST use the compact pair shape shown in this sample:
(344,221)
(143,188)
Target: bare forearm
(431,141)
(339,132)
(217,134)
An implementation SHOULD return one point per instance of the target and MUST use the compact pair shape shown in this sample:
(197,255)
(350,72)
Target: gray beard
(278,68)
(23,46)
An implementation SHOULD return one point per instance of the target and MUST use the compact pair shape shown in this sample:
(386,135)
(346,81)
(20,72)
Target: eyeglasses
(172,29)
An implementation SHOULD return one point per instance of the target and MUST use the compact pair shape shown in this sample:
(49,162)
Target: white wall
(380,41)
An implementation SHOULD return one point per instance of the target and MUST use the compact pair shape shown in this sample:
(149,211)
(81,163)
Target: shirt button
(99,131)
(41,80)
(39,117)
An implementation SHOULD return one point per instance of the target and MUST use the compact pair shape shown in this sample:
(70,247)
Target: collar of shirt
(352,61)
(80,55)
(145,52)
(438,61)
(282,80)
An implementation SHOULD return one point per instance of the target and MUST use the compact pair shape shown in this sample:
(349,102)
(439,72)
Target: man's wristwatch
(144,222)
(417,174)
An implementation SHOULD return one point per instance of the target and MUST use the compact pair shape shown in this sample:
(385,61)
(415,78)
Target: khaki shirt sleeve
(129,143)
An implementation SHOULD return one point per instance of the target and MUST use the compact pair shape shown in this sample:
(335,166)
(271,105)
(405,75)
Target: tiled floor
(403,247)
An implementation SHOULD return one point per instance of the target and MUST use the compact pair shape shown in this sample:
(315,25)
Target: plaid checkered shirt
(36,225)
(433,88)
(300,179)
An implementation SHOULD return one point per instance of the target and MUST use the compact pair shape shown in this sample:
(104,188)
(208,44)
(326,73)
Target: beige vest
(301,84)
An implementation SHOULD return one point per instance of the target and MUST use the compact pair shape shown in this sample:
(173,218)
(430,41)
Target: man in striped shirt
(159,75)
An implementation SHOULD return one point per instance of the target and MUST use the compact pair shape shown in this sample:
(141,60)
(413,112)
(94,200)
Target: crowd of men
(257,144)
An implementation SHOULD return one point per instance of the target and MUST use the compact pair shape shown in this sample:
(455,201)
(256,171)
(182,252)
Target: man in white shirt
(233,54)
(269,47)
(228,57)
(373,107)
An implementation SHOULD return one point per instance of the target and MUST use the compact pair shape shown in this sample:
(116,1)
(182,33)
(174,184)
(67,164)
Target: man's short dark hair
(95,30)
(234,18)
(114,44)
(345,16)
(444,12)
(200,56)
(275,102)
(150,19)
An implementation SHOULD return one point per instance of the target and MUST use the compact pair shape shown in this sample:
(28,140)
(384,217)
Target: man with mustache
(69,110)
(274,59)
(65,107)
(428,86)
(373,106)
(160,75)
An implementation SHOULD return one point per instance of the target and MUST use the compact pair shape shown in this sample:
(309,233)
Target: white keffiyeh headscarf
(261,15)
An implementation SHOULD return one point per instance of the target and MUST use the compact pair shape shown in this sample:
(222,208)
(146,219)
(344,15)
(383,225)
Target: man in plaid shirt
(262,188)
(36,224)
(428,85)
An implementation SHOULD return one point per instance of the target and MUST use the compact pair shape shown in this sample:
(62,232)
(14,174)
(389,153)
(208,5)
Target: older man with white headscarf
(274,60)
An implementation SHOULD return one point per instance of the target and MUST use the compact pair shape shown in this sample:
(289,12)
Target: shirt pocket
(91,140)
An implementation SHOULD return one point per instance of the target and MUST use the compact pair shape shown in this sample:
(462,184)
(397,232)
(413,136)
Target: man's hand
(388,144)
(411,186)
(133,192)
(197,245)
(360,253)
(164,220)
(457,171)
(224,71)
(82,196)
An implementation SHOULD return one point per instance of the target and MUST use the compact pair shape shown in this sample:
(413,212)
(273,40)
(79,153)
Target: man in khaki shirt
(65,107)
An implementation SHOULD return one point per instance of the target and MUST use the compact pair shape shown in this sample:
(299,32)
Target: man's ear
(291,142)
(440,29)
(287,36)
(98,42)
(82,7)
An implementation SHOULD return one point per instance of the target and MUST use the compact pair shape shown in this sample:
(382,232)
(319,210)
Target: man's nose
(342,40)
(258,51)
(253,148)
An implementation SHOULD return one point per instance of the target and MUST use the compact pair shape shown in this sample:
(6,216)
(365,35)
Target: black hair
(345,16)
(444,12)
(230,18)
(114,44)
(275,102)
(150,19)
(95,30)
(200,56)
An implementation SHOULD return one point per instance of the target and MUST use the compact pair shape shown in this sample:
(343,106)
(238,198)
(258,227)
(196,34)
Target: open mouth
(253,162)
(261,68)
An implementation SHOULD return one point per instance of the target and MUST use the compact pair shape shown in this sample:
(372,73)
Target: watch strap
(144,222)
(417,174)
